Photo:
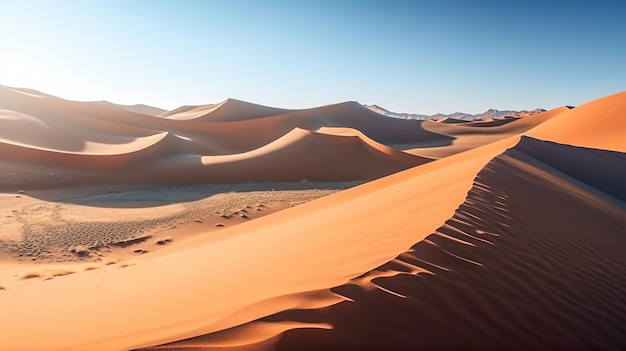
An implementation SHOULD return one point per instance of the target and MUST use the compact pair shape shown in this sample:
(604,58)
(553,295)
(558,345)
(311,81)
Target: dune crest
(229,110)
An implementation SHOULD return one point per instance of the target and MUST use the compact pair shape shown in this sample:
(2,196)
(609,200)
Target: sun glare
(20,73)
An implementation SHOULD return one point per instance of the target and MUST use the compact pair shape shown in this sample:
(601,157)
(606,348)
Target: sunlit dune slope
(599,124)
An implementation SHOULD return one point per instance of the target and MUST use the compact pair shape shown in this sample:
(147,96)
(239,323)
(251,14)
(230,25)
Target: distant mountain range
(491,113)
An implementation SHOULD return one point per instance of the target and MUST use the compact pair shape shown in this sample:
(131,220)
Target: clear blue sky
(407,56)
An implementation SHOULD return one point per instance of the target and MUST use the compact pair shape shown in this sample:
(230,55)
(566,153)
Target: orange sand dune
(512,269)
(598,124)
(299,155)
(201,295)
(227,111)
(315,156)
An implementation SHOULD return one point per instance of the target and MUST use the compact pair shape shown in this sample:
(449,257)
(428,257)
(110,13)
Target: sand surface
(244,227)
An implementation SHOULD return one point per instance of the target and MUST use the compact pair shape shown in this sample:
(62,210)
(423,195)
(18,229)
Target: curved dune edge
(489,278)
(597,124)
(296,156)
(334,137)
(109,156)
(351,132)
(348,227)
(94,148)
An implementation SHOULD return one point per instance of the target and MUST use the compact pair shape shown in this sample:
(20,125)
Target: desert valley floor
(236,226)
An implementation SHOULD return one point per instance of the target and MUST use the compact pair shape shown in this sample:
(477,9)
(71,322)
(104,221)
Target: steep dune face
(597,124)
(530,260)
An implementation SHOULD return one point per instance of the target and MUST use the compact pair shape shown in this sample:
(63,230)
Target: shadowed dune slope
(354,115)
(530,260)
(602,169)
(599,124)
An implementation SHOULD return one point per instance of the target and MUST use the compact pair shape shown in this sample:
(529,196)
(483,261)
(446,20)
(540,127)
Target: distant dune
(229,110)
(499,232)
(77,137)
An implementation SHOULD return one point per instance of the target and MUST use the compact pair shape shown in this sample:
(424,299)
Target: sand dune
(140,108)
(303,154)
(243,136)
(512,269)
(299,155)
(597,124)
(227,111)
(493,234)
